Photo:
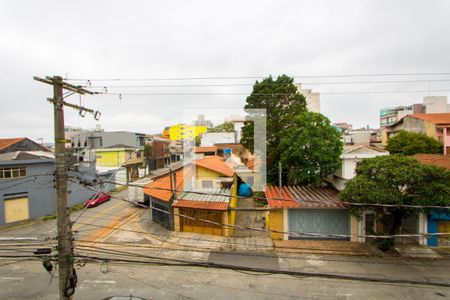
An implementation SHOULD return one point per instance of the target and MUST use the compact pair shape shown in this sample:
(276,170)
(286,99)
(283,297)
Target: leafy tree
(283,102)
(310,149)
(148,151)
(397,179)
(410,143)
(224,127)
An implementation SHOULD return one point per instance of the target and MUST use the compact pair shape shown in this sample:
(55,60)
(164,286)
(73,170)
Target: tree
(310,149)
(224,127)
(397,179)
(410,143)
(148,151)
(283,103)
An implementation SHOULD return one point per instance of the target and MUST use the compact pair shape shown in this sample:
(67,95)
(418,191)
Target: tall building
(431,104)
(202,122)
(312,99)
(182,132)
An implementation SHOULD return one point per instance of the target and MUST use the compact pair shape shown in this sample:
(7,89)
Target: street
(115,258)
(97,281)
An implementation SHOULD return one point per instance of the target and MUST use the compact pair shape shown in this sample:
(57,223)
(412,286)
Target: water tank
(244,190)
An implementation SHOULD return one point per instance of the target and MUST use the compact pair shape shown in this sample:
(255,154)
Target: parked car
(97,199)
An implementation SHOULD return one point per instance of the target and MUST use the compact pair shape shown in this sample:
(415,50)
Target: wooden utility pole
(67,275)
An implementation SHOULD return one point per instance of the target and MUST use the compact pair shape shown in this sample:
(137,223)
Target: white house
(350,158)
(209,139)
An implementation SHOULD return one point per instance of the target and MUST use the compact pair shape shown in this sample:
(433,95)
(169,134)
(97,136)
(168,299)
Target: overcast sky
(172,39)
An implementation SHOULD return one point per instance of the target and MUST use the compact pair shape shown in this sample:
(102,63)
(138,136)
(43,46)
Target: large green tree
(396,179)
(224,127)
(283,102)
(410,143)
(310,149)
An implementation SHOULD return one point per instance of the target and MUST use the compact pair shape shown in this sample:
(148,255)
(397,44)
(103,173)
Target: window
(207,184)
(6,173)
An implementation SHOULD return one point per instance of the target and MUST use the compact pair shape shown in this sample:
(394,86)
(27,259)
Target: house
(350,157)
(104,139)
(435,125)
(121,157)
(160,156)
(20,144)
(211,173)
(202,152)
(308,212)
(27,185)
(205,204)
(438,221)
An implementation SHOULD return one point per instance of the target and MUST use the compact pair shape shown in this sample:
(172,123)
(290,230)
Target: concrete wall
(109,139)
(40,190)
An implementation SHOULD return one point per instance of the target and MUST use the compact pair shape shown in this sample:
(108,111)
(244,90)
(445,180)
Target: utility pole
(280,185)
(67,274)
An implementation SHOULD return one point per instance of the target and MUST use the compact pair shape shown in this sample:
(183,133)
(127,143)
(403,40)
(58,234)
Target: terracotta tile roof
(439,118)
(216,164)
(303,197)
(4,143)
(211,199)
(205,149)
(438,160)
(156,188)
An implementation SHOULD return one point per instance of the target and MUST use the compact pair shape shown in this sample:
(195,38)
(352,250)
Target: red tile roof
(201,204)
(216,164)
(438,160)
(158,188)
(4,143)
(440,118)
(205,149)
(303,197)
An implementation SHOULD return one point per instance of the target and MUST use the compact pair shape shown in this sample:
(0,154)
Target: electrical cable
(260,77)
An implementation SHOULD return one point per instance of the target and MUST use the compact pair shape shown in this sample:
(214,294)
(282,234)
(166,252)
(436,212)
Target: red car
(97,199)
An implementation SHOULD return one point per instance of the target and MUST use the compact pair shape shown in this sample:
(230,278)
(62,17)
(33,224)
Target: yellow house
(114,156)
(184,132)
(211,198)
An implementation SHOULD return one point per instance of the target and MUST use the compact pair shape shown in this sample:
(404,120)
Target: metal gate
(318,221)
(196,225)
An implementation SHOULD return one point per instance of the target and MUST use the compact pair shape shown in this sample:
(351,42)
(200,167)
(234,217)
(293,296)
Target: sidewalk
(172,239)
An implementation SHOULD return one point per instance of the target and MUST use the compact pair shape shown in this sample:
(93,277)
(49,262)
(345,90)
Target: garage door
(444,227)
(321,221)
(16,209)
(196,225)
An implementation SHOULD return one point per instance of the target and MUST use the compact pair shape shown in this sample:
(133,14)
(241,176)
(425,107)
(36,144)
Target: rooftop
(205,149)
(27,155)
(213,199)
(4,143)
(160,188)
(438,118)
(438,160)
(216,164)
(303,197)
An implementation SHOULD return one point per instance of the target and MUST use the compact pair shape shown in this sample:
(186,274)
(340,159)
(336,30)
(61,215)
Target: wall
(40,191)
(206,174)
(276,223)
(111,158)
(111,138)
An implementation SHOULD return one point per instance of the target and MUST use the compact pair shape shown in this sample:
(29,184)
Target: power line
(272,94)
(109,86)
(259,77)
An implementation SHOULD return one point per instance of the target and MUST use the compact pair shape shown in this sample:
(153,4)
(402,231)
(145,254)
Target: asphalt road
(29,280)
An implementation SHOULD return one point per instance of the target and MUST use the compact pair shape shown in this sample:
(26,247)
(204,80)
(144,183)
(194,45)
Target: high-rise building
(431,104)
(202,122)
(312,99)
